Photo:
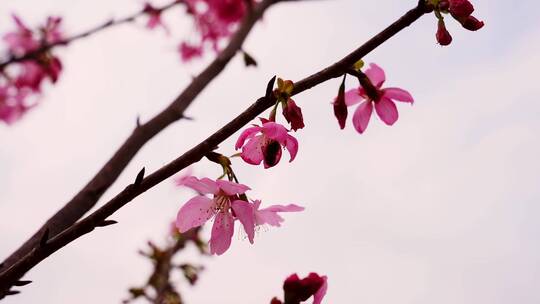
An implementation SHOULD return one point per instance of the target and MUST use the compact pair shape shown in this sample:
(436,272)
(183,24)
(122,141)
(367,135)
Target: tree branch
(87,197)
(37,254)
(108,24)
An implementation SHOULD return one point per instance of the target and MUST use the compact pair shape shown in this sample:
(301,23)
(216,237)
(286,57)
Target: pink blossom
(154,17)
(22,40)
(32,73)
(226,206)
(215,21)
(264,144)
(188,51)
(51,30)
(384,103)
(12,107)
(269,215)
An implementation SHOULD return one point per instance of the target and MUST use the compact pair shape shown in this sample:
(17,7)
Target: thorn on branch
(249,60)
(22,283)
(138,122)
(12,292)
(270,87)
(106,223)
(139,178)
(44,238)
(187,117)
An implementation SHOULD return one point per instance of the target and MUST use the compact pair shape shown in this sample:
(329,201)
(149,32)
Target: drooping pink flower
(264,144)
(22,40)
(384,103)
(269,215)
(226,206)
(298,290)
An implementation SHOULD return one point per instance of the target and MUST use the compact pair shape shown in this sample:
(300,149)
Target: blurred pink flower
(264,144)
(21,40)
(154,17)
(52,31)
(384,103)
(188,51)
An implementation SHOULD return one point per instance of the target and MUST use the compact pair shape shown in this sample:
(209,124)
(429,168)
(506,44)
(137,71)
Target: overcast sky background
(440,208)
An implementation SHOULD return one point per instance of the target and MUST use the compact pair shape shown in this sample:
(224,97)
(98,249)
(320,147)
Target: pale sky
(440,208)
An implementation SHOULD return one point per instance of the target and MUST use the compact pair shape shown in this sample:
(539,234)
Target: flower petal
(387,111)
(275,131)
(362,115)
(232,188)
(268,217)
(203,186)
(194,213)
(353,97)
(292,146)
(319,295)
(246,134)
(398,94)
(376,74)
(287,208)
(252,151)
(244,212)
(222,232)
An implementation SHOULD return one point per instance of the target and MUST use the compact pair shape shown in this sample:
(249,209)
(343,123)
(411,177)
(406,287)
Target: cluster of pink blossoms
(381,99)
(460,10)
(227,204)
(22,81)
(215,20)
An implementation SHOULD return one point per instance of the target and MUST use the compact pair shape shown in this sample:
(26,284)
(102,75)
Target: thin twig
(16,271)
(63,42)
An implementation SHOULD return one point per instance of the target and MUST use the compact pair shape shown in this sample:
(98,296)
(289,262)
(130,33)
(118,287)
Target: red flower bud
(472,24)
(297,290)
(340,108)
(443,36)
(293,115)
(460,8)
(276,301)
(444,5)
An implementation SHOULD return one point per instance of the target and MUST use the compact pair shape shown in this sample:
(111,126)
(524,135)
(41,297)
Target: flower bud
(460,8)
(472,24)
(443,36)
(293,115)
